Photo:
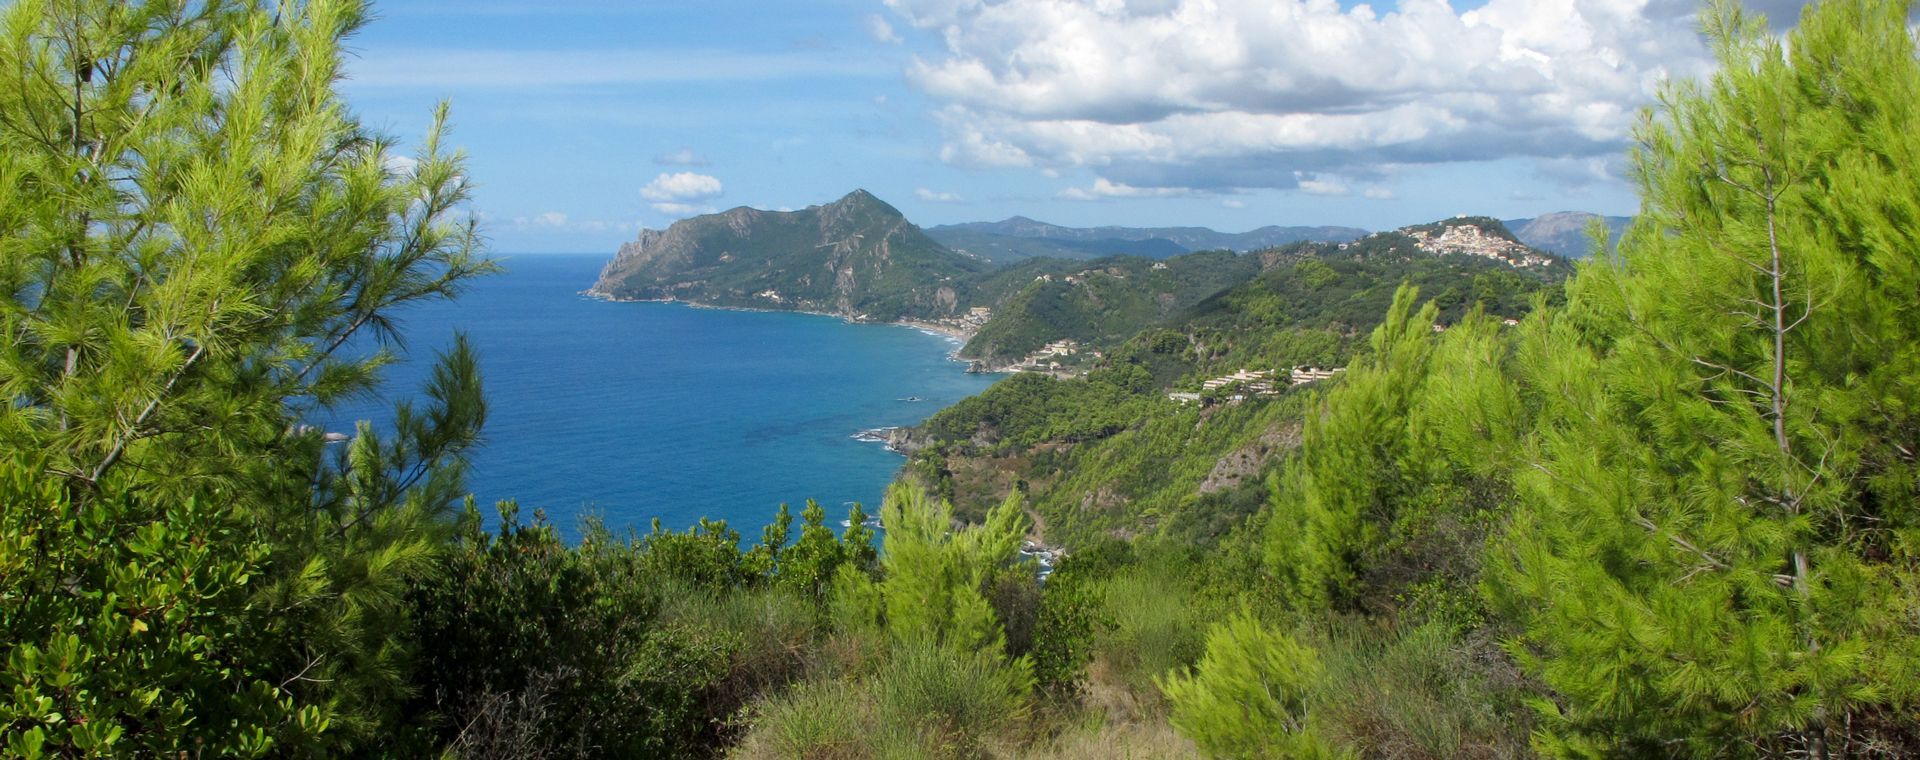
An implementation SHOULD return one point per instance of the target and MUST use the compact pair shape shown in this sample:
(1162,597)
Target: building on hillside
(1303,375)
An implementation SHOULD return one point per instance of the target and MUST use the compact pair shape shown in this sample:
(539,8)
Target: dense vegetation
(1670,511)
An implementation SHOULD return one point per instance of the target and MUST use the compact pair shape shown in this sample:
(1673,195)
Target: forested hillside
(1663,505)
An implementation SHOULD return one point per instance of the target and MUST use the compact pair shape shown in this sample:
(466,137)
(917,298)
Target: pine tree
(1716,553)
(197,241)
(1330,504)
(1248,696)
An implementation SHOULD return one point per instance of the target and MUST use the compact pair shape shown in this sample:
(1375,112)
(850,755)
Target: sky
(586,121)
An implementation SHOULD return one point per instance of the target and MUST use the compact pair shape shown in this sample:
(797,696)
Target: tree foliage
(197,243)
(1715,549)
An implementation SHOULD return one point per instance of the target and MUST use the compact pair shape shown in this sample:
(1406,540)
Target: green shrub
(1419,693)
(1157,625)
(127,628)
(823,720)
(946,702)
(1249,696)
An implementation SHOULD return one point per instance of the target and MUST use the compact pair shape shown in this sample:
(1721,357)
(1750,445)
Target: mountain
(1100,304)
(1188,238)
(1565,233)
(857,257)
(1001,249)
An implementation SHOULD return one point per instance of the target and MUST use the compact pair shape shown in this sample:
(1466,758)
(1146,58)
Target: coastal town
(1245,384)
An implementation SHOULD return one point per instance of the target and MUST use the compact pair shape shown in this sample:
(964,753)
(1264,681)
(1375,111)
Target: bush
(1250,694)
(1419,693)
(926,701)
(127,628)
(1157,626)
(947,702)
(826,720)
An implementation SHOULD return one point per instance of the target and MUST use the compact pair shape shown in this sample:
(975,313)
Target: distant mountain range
(1019,237)
(1019,284)
(1563,234)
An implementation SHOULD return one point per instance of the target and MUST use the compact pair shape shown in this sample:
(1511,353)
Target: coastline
(948,331)
(957,333)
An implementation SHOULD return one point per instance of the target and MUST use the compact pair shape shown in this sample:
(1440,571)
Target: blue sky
(587,120)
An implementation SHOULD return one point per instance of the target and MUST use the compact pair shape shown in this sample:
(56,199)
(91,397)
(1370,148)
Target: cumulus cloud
(1379,194)
(682,186)
(932,196)
(1221,94)
(678,193)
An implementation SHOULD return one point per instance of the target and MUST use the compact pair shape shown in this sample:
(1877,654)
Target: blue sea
(636,411)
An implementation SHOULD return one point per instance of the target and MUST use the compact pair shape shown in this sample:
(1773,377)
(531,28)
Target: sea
(633,412)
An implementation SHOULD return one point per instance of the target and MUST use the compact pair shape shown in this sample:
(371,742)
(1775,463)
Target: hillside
(1101,304)
(857,257)
(1111,455)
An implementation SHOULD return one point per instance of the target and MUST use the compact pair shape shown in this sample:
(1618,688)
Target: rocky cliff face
(857,257)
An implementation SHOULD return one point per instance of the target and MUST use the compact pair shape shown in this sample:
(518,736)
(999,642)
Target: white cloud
(678,194)
(683,186)
(1233,203)
(1103,188)
(880,30)
(1323,185)
(683,156)
(1217,94)
(550,219)
(935,197)
(1379,194)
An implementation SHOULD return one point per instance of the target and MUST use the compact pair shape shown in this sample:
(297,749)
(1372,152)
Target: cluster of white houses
(1047,359)
(1264,382)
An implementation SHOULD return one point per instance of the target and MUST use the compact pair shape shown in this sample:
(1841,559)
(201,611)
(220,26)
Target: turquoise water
(633,411)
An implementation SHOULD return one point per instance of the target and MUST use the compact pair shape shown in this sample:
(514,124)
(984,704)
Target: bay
(636,411)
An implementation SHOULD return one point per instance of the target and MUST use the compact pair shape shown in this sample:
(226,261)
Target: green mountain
(1100,304)
(1103,302)
(857,257)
